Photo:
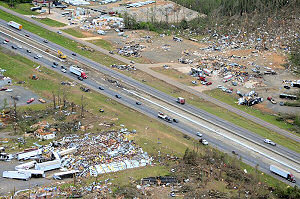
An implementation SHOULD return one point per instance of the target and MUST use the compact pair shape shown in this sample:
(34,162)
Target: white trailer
(285,174)
(78,71)
(47,166)
(65,174)
(15,25)
(29,153)
(22,175)
(35,173)
(67,151)
(25,166)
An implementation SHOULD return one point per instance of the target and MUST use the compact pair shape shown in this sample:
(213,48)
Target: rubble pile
(249,99)
(131,50)
(124,67)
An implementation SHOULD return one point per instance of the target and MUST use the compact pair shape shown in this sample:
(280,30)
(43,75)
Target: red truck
(180,100)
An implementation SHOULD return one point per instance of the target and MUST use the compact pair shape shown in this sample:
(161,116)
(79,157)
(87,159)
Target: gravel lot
(25,94)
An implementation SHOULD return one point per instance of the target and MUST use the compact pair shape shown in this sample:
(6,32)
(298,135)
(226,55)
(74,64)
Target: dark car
(54,63)
(14,47)
(63,67)
(28,51)
(27,35)
(138,103)
(101,88)
(74,54)
(101,110)
(45,41)
(286,87)
(80,78)
(118,96)
(36,57)
(175,120)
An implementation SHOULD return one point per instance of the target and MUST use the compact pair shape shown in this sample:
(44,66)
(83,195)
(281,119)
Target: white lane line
(217,132)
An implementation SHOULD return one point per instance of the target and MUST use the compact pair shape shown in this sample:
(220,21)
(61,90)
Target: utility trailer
(65,174)
(285,174)
(47,166)
(22,175)
(28,153)
(15,25)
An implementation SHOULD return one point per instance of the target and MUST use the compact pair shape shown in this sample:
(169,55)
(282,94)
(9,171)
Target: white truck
(15,25)
(22,175)
(78,71)
(285,174)
(25,166)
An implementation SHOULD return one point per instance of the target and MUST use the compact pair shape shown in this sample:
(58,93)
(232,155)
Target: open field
(22,8)
(78,33)
(50,22)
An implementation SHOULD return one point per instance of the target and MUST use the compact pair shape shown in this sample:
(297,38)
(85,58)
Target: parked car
(59,32)
(101,110)
(281,103)
(30,100)
(9,90)
(42,100)
(3,89)
(270,142)
(204,142)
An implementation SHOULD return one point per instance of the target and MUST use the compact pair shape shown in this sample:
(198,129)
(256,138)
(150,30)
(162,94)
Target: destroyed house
(159,180)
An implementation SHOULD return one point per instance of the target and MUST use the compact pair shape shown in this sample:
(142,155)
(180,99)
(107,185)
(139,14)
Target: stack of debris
(124,67)
(249,99)
(131,50)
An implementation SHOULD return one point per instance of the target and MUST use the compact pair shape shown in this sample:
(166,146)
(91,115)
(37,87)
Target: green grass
(22,8)
(103,44)
(51,22)
(75,32)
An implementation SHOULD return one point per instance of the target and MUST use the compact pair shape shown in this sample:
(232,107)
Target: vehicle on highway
(45,41)
(80,78)
(118,96)
(101,88)
(78,71)
(28,51)
(63,70)
(14,47)
(180,100)
(53,66)
(27,35)
(30,100)
(175,120)
(15,25)
(138,103)
(59,32)
(270,142)
(74,54)
(36,57)
(199,134)
(39,56)
(285,174)
(19,46)
(9,90)
(4,42)
(54,63)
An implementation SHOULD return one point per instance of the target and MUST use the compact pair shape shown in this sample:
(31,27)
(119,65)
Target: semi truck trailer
(285,174)
(15,25)
(78,71)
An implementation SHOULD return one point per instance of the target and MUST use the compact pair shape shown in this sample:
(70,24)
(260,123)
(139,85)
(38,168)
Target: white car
(20,47)
(9,90)
(199,134)
(5,42)
(63,70)
(204,142)
(39,56)
(270,142)
(59,32)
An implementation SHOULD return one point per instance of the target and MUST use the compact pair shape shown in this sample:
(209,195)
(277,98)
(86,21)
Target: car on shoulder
(204,142)
(199,134)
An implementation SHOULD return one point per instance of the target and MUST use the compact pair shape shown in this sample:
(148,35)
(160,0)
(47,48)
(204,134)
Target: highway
(146,110)
(160,95)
